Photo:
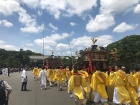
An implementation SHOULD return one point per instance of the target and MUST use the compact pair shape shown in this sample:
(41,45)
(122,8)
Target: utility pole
(70,51)
(43,47)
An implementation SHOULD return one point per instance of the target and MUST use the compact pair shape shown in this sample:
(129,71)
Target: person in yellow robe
(76,84)
(99,81)
(118,80)
(64,78)
(131,87)
(87,89)
(50,76)
(68,75)
(136,75)
(58,78)
(35,72)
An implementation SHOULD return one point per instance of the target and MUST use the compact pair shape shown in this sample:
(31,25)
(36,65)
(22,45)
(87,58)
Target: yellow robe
(68,74)
(87,89)
(35,71)
(131,89)
(137,81)
(85,75)
(58,76)
(98,82)
(50,75)
(118,80)
(63,73)
(77,88)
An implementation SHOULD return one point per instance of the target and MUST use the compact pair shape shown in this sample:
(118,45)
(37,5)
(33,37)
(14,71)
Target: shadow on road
(27,90)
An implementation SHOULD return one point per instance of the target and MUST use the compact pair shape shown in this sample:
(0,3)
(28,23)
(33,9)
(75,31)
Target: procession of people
(84,86)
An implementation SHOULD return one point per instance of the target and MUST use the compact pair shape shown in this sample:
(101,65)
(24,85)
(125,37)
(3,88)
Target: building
(49,60)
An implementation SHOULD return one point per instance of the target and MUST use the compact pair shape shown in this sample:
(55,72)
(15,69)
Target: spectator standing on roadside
(8,71)
(24,79)
(5,90)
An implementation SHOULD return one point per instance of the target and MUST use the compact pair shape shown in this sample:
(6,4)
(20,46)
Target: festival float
(95,56)
(52,61)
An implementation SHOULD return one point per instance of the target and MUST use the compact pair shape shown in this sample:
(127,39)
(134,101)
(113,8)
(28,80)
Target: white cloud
(39,13)
(137,8)
(2,42)
(27,48)
(72,23)
(52,6)
(29,44)
(6,23)
(101,22)
(9,7)
(77,7)
(115,6)
(51,40)
(31,3)
(30,23)
(86,41)
(47,48)
(0,22)
(80,48)
(68,6)
(58,53)
(124,27)
(47,41)
(33,29)
(52,26)
(72,33)
(61,46)
(81,41)
(104,40)
(5,46)
(69,53)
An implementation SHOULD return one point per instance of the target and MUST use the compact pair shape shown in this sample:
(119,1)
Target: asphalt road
(34,95)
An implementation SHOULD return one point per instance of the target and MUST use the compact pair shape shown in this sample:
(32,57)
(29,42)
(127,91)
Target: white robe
(42,76)
(4,71)
(24,76)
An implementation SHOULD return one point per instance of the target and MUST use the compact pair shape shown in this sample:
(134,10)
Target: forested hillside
(15,58)
(128,53)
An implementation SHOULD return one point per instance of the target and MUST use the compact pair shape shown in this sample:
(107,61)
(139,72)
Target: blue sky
(22,23)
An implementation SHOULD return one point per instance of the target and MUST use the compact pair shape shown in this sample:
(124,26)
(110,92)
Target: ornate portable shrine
(94,56)
(98,58)
(52,61)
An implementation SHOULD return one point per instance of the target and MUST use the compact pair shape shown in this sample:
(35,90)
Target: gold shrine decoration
(96,56)
(113,52)
(52,52)
(94,40)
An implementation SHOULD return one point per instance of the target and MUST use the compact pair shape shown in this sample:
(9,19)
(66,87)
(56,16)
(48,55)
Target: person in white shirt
(24,79)
(42,78)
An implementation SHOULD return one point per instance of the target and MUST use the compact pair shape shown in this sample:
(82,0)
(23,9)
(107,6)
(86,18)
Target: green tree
(128,51)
